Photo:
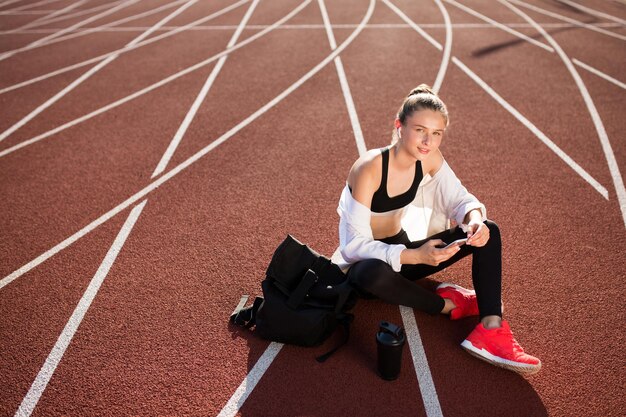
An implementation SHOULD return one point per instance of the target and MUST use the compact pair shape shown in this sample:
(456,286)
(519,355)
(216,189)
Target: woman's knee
(369,274)
(494,230)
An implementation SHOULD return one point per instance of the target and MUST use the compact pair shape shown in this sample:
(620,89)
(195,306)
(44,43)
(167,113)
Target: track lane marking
(618,181)
(50,19)
(173,172)
(237,400)
(594,12)
(445,60)
(182,129)
(46,19)
(151,87)
(499,25)
(91,72)
(76,33)
(29,6)
(45,374)
(567,19)
(534,129)
(41,42)
(599,73)
(56,354)
(125,49)
(343,81)
(420,362)
(250,381)
(527,123)
(305,26)
(581,64)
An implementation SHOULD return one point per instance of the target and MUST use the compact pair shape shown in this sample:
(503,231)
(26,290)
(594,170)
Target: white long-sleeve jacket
(439,198)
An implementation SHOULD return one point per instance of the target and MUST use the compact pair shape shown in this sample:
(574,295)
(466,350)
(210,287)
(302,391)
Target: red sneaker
(463,299)
(498,347)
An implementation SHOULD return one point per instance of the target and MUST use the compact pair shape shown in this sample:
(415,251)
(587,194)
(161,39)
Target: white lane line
(530,126)
(6,3)
(422,370)
(569,20)
(125,49)
(599,73)
(91,72)
(343,81)
(41,41)
(54,358)
(26,13)
(533,41)
(506,28)
(107,28)
(30,6)
(176,170)
(618,181)
(182,129)
(250,381)
(153,86)
(241,394)
(594,12)
(66,17)
(445,60)
(45,374)
(412,24)
(48,18)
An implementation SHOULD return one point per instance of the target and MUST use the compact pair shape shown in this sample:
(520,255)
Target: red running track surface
(154,338)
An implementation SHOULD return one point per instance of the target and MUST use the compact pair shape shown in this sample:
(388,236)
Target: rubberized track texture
(154,153)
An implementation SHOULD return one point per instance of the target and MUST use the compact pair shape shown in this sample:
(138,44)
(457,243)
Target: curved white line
(498,25)
(172,32)
(446,48)
(594,12)
(567,19)
(412,24)
(34,113)
(68,16)
(195,157)
(51,19)
(30,6)
(595,116)
(42,41)
(138,93)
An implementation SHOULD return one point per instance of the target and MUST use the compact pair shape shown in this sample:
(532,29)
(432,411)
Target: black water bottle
(389,340)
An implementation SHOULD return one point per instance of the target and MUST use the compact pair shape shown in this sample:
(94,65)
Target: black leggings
(373,277)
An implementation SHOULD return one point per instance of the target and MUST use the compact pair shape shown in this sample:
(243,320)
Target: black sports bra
(381,202)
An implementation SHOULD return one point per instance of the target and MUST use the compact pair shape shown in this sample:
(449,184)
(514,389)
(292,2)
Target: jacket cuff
(393,256)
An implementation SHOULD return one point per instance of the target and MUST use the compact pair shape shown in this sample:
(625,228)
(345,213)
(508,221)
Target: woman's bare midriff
(386,226)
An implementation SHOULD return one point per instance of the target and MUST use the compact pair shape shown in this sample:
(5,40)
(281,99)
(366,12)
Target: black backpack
(305,298)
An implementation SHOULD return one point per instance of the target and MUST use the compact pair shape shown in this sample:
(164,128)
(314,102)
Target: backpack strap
(297,296)
(246,317)
(345,322)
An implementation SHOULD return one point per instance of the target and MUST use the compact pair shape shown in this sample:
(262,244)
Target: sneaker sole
(521,368)
(459,288)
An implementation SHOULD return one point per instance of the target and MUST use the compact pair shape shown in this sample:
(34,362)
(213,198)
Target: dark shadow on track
(495,48)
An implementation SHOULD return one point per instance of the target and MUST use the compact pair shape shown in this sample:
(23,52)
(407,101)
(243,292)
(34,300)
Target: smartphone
(457,242)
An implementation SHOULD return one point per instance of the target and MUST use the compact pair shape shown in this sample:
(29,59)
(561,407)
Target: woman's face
(422,132)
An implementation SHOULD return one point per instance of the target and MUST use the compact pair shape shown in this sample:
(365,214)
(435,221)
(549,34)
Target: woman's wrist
(409,257)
